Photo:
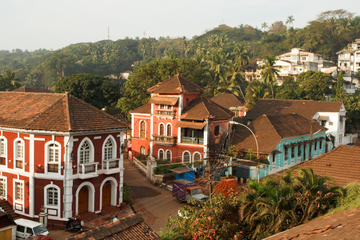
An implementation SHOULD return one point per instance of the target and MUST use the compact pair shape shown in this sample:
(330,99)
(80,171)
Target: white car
(27,229)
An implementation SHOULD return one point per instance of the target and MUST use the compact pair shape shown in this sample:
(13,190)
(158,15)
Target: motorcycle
(74,224)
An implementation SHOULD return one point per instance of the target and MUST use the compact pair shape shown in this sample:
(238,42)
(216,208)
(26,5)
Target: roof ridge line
(220,107)
(201,96)
(68,118)
(40,114)
(272,125)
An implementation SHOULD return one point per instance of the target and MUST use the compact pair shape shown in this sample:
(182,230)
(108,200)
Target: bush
(126,194)
(166,169)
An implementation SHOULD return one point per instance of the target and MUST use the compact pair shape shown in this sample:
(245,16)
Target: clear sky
(34,24)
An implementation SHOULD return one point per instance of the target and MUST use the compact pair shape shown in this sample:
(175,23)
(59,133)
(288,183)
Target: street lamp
(256,142)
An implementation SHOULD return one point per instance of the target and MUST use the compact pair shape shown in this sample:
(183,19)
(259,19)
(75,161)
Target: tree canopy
(98,91)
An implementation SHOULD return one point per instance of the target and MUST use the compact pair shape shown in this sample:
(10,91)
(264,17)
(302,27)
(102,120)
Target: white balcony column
(151,129)
(179,135)
(68,182)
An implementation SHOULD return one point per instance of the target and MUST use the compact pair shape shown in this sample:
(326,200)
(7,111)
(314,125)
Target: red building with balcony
(58,152)
(178,123)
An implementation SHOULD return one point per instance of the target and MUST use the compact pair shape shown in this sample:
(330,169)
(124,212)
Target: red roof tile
(52,112)
(342,164)
(132,227)
(33,89)
(228,100)
(202,108)
(269,130)
(175,85)
(341,225)
(305,108)
(146,108)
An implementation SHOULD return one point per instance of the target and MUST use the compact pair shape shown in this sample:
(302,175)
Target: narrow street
(153,203)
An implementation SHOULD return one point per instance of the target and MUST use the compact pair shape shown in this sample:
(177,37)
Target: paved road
(153,203)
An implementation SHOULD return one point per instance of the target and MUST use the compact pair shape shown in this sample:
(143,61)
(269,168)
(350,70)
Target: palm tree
(290,20)
(241,54)
(11,79)
(264,26)
(269,71)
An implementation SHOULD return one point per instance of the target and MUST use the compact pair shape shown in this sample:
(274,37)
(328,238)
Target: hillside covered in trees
(327,34)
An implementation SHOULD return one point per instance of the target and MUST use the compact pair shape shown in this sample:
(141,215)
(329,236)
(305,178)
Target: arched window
(161,154)
(161,129)
(108,149)
(197,157)
(52,196)
(85,152)
(168,155)
(142,129)
(53,158)
(142,151)
(168,130)
(186,157)
(19,154)
(2,151)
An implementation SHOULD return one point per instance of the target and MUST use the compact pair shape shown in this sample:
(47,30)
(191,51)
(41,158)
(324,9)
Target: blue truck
(185,190)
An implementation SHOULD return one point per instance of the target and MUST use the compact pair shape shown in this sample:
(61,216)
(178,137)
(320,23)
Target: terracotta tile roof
(305,108)
(194,125)
(52,112)
(341,163)
(175,85)
(164,100)
(202,108)
(132,227)
(33,89)
(228,100)
(146,108)
(269,130)
(341,225)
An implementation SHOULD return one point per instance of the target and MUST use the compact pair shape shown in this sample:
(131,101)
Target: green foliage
(126,194)
(350,200)
(288,89)
(166,169)
(352,106)
(96,90)
(254,91)
(313,85)
(8,80)
(270,206)
(339,88)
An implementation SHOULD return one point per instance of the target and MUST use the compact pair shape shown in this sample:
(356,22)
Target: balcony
(165,112)
(193,140)
(111,166)
(161,140)
(88,170)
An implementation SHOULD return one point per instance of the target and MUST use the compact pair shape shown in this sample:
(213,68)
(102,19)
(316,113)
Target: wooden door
(83,199)
(106,194)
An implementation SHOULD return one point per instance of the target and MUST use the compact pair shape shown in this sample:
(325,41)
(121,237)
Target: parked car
(26,229)
(185,190)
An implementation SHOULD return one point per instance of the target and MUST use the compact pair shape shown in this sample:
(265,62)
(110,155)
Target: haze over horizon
(30,25)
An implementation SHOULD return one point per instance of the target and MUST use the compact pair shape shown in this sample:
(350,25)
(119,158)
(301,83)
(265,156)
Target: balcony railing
(164,140)
(88,169)
(165,112)
(111,165)
(193,140)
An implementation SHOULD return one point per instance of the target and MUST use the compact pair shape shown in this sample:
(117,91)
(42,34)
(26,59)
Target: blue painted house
(285,140)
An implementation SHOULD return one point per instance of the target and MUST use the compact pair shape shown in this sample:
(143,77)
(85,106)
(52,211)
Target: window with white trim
(168,155)
(161,154)
(186,157)
(109,149)
(161,129)
(197,157)
(3,187)
(2,151)
(19,191)
(142,129)
(85,152)
(168,130)
(53,158)
(52,196)
(19,154)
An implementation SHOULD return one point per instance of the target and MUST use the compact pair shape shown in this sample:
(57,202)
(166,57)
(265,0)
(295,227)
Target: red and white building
(58,152)
(178,123)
